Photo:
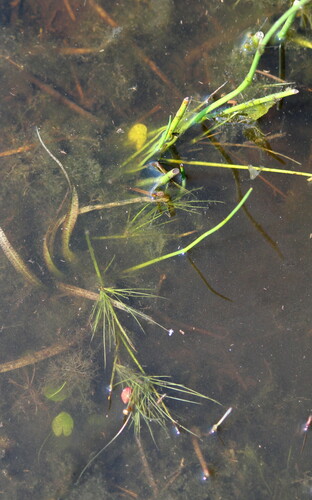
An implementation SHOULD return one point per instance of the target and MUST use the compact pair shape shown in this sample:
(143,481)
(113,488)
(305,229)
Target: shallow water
(238,304)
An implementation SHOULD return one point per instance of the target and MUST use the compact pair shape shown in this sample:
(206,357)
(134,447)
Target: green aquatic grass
(149,396)
(193,243)
(142,224)
(148,402)
(167,136)
(104,315)
(289,14)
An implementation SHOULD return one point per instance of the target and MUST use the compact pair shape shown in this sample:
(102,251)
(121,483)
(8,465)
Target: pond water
(234,311)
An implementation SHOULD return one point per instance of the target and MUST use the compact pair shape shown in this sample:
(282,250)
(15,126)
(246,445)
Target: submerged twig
(139,52)
(16,261)
(69,10)
(35,357)
(55,94)
(69,225)
(174,475)
(147,470)
(205,469)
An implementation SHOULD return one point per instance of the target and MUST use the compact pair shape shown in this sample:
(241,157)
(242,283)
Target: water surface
(84,76)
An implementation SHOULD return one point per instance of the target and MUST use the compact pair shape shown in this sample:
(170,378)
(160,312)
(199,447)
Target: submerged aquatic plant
(62,424)
(148,395)
(70,375)
(166,136)
(104,314)
(145,395)
(191,245)
(146,399)
(16,261)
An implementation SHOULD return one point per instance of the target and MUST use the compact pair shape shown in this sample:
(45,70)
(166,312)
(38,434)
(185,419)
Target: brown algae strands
(17,261)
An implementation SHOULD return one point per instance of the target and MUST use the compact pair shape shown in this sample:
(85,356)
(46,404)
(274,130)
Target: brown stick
(147,470)
(16,261)
(55,94)
(132,494)
(77,51)
(174,475)
(103,14)
(152,65)
(21,149)
(77,292)
(200,456)
(69,10)
(35,357)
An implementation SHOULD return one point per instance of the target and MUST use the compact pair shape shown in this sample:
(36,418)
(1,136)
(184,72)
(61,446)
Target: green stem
(129,350)
(92,254)
(164,179)
(248,79)
(281,35)
(202,115)
(241,167)
(195,242)
(258,102)
(168,137)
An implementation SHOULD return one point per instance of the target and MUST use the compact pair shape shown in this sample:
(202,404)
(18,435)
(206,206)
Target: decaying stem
(35,357)
(17,261)
(147,470)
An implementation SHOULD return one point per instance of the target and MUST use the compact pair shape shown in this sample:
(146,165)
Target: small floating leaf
(62,424)
(55,393)
(137,135)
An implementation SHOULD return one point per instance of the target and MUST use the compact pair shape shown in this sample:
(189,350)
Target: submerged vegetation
(90,251)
